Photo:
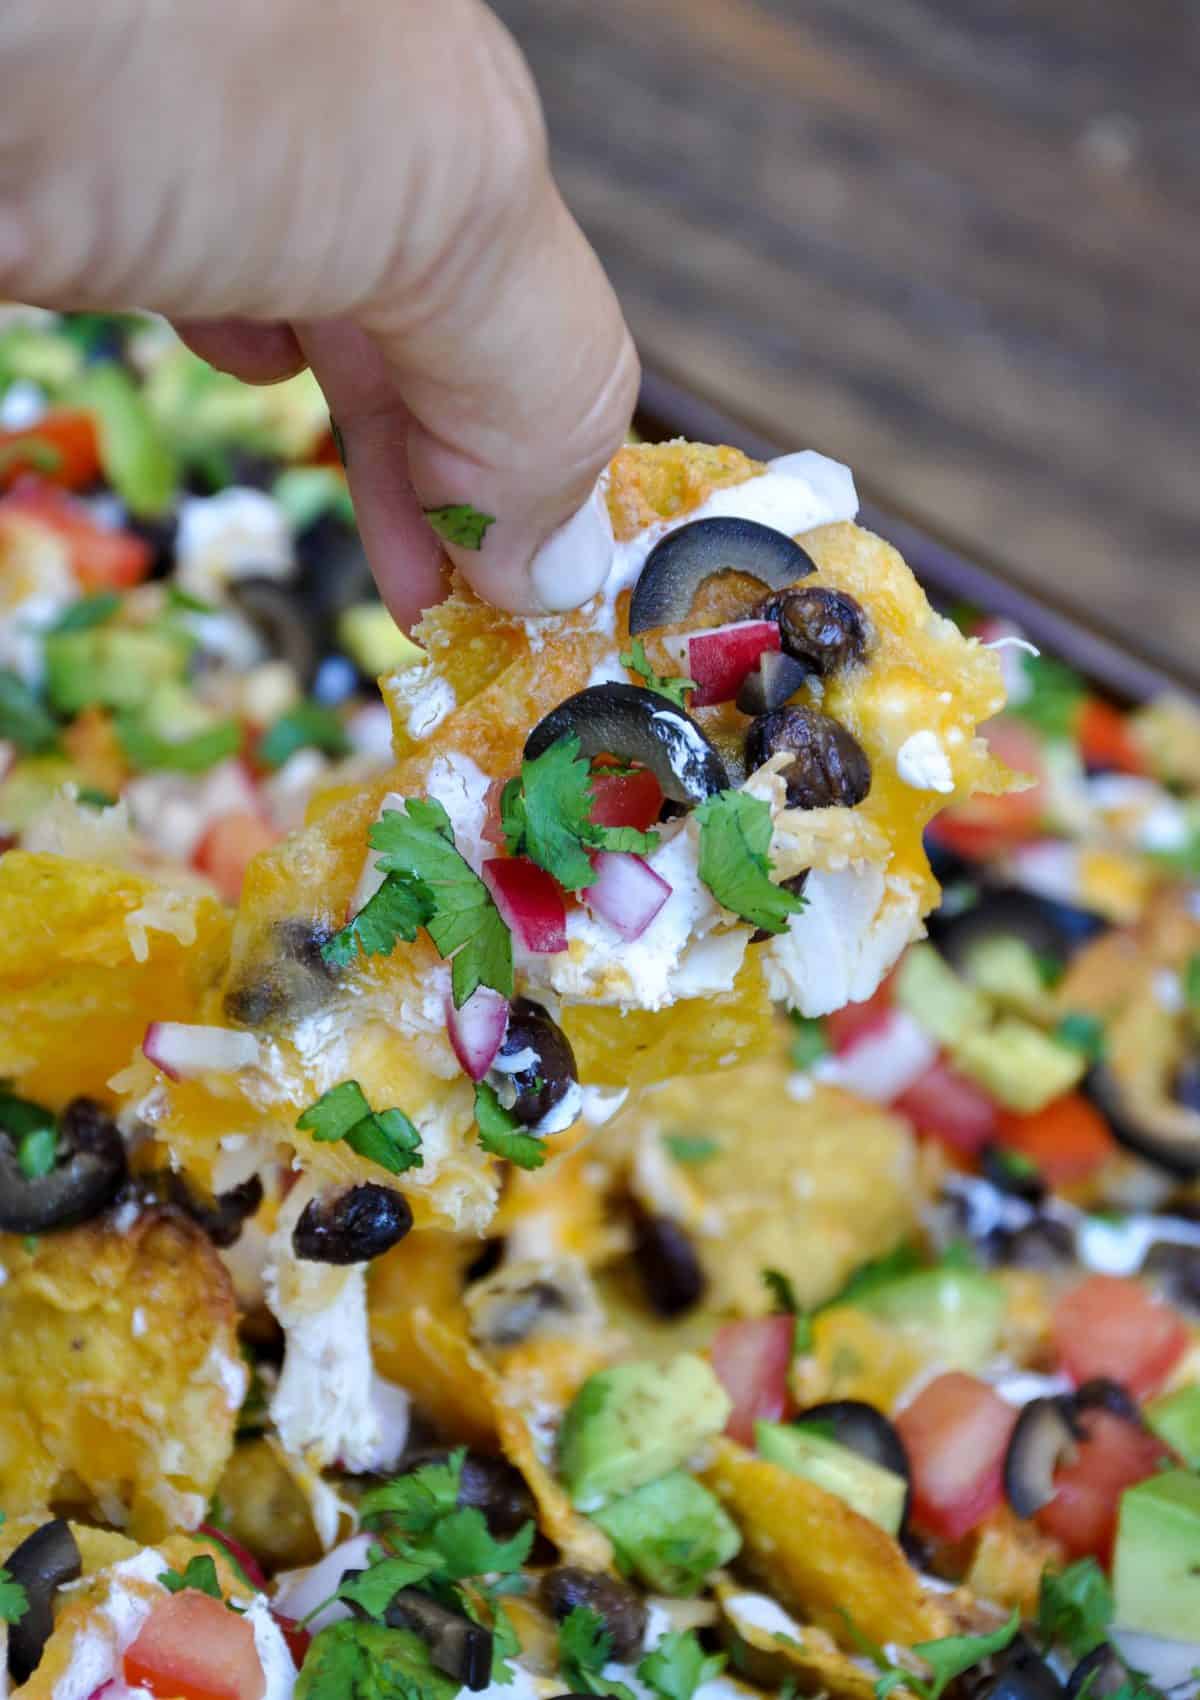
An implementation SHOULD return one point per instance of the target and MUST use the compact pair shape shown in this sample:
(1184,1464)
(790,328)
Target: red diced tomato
(229,846)
(626,799)
(102,558)
(1109,1325)
(986,826)
(751,1360)
(1068,1140)
(193,1647)
(1113,1455)
(855,1021)
(296,1638)
(956,1433)
(1105,740)
(61,448)
(952,1108)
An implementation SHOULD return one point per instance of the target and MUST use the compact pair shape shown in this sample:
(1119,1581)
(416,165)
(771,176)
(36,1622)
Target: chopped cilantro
(1191,985)
(310,725)
(735,838)
(23,719)
(396,911)
(36,1152)
(417,1500)
(468,1548)
(584,1648)
(201,1574)
(545,814)
(368,1661)
(691,1147)
(93,799)
(184,602)
(386,1137)
(674,690)
(501,1133)
(878,1272)
(809,1042)
(947,1658)
(1054,697)
(460,523)
(14,1601)
(783,1294)
(1082,1032)
(678,1665)
(89,611)
(307,493)
(149,752)
(30,454)
(1075,1607)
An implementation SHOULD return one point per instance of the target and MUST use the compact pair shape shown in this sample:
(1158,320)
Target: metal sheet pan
(668,409)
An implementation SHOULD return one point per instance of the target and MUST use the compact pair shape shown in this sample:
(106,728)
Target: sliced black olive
(567,1586)
(1019,1673)
(490,1485)
(535,1069)
(641,726)
(864,1430)
(823,630)
(1164,1132)
(352,1226)
(1044,1437)
(1101,1393)
(680,562)
(281,621)
(221,1217)
(41,1564)
(669,1269)
(460,1648)
(1012,1172)
(1004,913)
(1175,1269)
(333,571)
(1100,1673)
(769,685)
(1186,1085)
(1044,1243)
(87,1175)
(829,767)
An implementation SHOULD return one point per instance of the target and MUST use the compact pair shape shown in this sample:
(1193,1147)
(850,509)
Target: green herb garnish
(675,690)
(545,815)
(1075,1607)
(201,1574)
(310,725)
(386,1137)
(735,865)
(23,719)
(460,523)
(678,1665)
(89,611)
(691,1147)
(947,1658)
(14,1601)
(501,1133)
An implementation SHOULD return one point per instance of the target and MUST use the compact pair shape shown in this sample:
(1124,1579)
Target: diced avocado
(110,666)
(1005,969)
(670,1534)
(138,462)
(866,1487)
(952,1315)
(936,998)
(1156,1566)
(1022,1067)
(1175,1418)
(374,642)
(632,1423)
(29,786)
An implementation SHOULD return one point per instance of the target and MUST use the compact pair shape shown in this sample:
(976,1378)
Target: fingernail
(574,561)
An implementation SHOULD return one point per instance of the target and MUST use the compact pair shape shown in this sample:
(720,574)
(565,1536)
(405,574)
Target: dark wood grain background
(954,242)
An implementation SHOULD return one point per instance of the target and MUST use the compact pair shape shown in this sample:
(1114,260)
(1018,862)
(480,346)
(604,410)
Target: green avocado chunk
(671,1534)
(867,1488)
(635,1422)
(1022,1067)
(953,1315)
(936,998)
(1156,1566)
(1175,1418)
(110,667)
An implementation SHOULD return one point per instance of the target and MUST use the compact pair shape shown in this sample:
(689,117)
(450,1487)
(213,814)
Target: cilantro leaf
(584,1648)
(14,1601)
(37,1152)
(417,1500)
(735,838)
(464,923)
(1191,985)
(1075,1606)
(396,911)
(678,1665)
(691,1147)
(674,690)
(181,601)
(200,1574)
(149,752)
(310,725)
(460,523)
(810,1042)
(375,1588)
(781,1291)
(335,1112)
(1054,698)
(1083,1032)
(501,1133)
(546,815)
(89,611)
(947,1658)
(468,1548)
(23,720)
(368,1661)
(386,1137)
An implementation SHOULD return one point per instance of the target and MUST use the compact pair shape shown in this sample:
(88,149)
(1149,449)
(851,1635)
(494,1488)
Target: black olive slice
(458,1647)
(668,1266)
(567,1586)
(221,1217)
(863,1429)
(1012,1172)
(87,1176)
(535,1069)
(680,562)
(41,1564)
(281,621)
(1001,913)
(352,1226)
(769,685)
(1101,1393)
(641,726)
(1101,1673)
(1164,1132)
(1020,1673)
(829,767)
(1174,1267)
(1044,1437)
(823,630)
(489,1484)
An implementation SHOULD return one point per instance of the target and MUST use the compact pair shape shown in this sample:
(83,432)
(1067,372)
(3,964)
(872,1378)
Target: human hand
(360,186)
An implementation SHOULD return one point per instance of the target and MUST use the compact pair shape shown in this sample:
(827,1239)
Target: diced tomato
(193,1647)
(855,1021)
(719,659)
(1109,1325)
(751,1360)
(296,1638)
(1104,739)
(1068,1140)
(626,799)
(952,1108)
(62,448)
(102,557)
(956,1434)
(1113,1455)
(986,826)
(229,846)
(241,1556)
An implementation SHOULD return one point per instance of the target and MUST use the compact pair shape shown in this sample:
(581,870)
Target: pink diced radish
(184,1051)
(477,1029)
(719,660)
(884,1062)
(530,903)
(627,893)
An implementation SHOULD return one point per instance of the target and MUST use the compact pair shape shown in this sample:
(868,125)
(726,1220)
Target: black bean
(668,1267)
(352,1226)
(221,1217)
(489,1484)
(567,1586)
(1175,1268)
(543,1082)
(829,765)
(825,630)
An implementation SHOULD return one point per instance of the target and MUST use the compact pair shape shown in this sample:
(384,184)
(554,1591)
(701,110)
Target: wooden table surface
(953,242)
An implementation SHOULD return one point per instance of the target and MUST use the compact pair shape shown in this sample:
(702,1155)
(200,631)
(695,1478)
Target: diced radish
(477,1029)
(625,799)
(885,1062)
(184,1052)
(241,1556)
(718,660)
(530,903)
(952,1108)
(627,893)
